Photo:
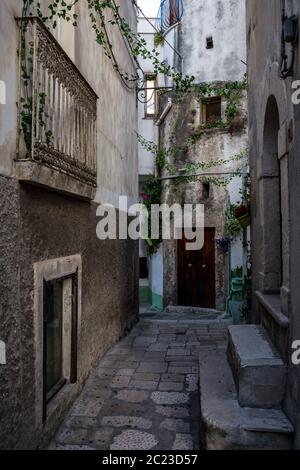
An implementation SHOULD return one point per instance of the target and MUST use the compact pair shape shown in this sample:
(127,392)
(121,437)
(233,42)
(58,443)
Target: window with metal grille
(150,92)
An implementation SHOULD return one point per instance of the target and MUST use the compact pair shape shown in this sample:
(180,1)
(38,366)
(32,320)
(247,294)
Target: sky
(149,7)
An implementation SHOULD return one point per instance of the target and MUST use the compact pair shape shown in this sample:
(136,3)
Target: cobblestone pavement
(144,394)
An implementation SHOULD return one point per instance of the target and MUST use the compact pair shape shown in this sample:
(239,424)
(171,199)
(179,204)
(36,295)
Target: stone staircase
(242,390)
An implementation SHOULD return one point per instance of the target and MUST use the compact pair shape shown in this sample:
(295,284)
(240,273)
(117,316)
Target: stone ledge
(272,304)
(195,310)
(53,180)
(227,425)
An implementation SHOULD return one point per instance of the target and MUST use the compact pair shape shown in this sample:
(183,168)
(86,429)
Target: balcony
(57,116)
(170,13)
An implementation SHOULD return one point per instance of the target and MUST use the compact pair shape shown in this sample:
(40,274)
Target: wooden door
(196,273)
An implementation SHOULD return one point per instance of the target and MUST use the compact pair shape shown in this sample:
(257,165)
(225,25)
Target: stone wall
(264,46)
(40,226)
(224,21)
(178,127)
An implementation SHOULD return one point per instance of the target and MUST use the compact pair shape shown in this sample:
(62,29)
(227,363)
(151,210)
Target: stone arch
(273,86)
(270,201)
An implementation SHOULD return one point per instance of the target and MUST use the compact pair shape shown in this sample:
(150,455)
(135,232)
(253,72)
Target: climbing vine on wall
(99,21)
(153,188)
(106,13)
(26,104)
(189,169)
(231,92)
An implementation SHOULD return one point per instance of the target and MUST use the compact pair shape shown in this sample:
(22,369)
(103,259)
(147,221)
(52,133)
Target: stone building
(256,383)
(70,144)
(202,39)
(273,68)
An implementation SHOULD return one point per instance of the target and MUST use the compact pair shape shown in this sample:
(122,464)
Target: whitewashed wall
(225,21)
(117,112)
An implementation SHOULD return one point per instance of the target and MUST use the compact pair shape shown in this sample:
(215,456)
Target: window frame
(153,78)
(47,397)
(205,103)
(210,42)
(49,269)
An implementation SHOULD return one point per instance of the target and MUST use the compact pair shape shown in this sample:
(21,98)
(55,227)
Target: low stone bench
(227,425)
(258,370)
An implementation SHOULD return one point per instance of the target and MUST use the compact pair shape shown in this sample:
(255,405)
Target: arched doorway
(270,195)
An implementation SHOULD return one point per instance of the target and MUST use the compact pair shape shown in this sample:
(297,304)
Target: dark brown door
(196,273)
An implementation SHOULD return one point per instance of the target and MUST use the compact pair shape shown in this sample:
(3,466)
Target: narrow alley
(144,394)
(150,228)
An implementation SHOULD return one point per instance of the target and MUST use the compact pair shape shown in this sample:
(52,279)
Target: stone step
(258,370)
(227,425)
(194,310)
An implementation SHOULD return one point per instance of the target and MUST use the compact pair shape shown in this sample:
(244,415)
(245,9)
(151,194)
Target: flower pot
(244,221)
(223,245)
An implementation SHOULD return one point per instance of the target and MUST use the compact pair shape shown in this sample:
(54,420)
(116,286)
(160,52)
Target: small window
(60,335)
(212,110)
(150,97)
(205,190)
(209,42)
(54,338)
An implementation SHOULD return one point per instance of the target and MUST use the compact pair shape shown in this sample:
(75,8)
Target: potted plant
(242,214)
(159,39)
(232,227)
(223,244)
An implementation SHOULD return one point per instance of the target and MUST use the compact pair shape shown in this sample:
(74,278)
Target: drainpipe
(164,113)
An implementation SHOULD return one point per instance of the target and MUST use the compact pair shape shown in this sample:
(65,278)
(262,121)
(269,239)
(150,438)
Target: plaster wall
(264,46)
(117,156)
(222,20)
(39,225)
(156,273)
(146,126)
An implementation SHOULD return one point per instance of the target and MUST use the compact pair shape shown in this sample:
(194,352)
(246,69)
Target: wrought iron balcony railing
(170,13)
(57,107)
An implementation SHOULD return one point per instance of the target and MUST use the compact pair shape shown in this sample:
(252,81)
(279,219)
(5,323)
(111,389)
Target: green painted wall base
(157,301)
(144,294)
(148,297)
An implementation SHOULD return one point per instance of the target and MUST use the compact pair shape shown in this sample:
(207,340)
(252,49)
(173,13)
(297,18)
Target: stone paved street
(144,394)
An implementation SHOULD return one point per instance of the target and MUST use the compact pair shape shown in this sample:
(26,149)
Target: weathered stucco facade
(274,162)
(215,144)
(212,46)
(223,21)
(41,224)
